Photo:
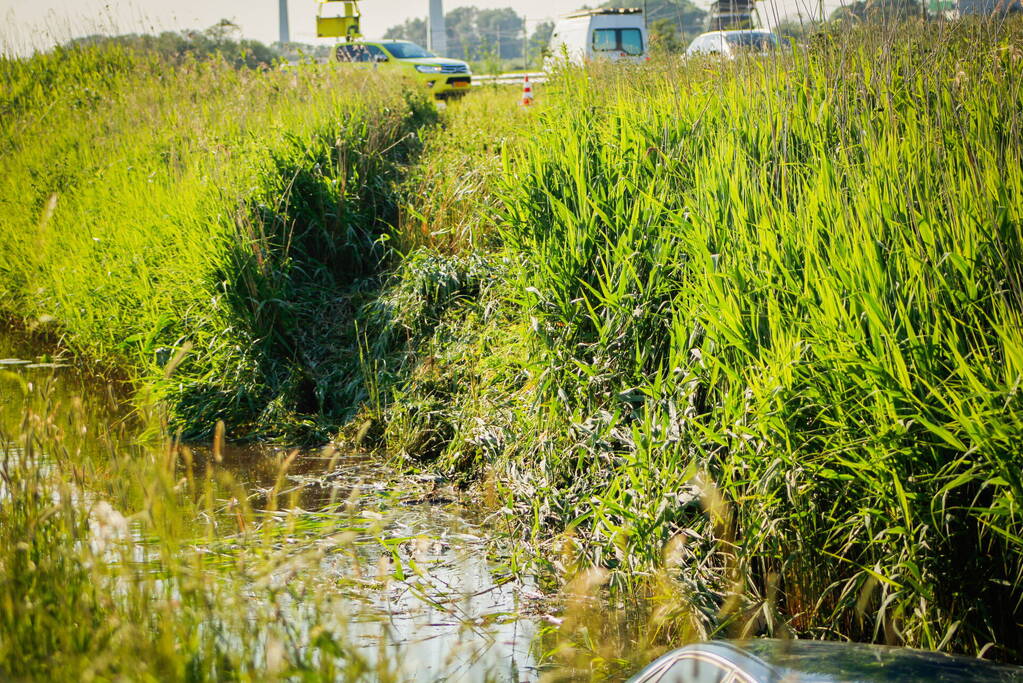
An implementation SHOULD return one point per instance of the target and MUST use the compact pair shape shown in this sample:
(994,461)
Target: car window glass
(376,54)
(605,40)
(697,670)
(752,41)
(628,40)
(353,53)
(631,41)
(702,44)
(408,51)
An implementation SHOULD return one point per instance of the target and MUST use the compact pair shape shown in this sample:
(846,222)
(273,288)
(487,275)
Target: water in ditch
(408,564)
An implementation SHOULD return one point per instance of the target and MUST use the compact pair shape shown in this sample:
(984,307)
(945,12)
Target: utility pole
(282,18)
(525,45)
(436,31)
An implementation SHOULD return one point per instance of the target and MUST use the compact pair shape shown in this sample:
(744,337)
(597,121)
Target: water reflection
(411,569)
(417,574)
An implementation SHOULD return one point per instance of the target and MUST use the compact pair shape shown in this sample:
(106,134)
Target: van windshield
(627,40)
(408,51)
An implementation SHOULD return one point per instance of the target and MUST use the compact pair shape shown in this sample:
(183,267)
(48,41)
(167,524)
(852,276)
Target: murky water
(421,580)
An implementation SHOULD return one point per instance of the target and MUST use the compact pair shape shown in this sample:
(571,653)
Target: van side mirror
(380,58)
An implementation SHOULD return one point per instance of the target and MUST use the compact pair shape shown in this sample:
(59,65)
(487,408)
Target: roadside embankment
(744,336)
(754,328)
(220,221)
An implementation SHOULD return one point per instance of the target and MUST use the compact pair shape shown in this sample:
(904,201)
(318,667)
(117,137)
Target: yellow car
(443,77)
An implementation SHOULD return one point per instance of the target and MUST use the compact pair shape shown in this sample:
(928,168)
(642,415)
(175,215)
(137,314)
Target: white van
(612,34)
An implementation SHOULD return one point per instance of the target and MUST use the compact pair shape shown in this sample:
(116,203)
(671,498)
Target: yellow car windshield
(408,51)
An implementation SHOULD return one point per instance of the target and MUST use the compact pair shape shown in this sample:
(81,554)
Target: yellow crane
(338,19)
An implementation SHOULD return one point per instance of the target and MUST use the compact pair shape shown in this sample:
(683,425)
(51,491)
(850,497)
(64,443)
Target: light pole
(436,31)
(282,17)
(525,44)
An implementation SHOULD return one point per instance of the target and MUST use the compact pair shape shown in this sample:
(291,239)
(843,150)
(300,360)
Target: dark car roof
(806,660)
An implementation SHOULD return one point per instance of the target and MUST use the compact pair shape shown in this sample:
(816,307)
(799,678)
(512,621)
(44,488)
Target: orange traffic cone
(527,93)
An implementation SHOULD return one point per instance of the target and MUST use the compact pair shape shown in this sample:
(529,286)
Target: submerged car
(441,76)
(733,43)
(801,661)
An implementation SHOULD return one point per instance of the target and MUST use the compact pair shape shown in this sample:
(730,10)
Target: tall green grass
(149,209)
(771,313)
(746,334)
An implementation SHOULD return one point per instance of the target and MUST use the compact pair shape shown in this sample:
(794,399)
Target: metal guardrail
(509,78)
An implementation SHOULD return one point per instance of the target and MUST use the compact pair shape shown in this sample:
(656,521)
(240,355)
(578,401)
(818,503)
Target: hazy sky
(25,24)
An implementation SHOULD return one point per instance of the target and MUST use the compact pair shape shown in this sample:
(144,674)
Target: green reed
(765,314)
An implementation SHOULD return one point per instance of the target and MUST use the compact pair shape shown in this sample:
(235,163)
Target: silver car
(730,44)
(801,661)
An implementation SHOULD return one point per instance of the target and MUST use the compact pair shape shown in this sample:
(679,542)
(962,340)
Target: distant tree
(795,29)
(542,34)
(463,39)
(218,41)
(223,31)
(664,36)
(256,54)
(539,40)
(501,30)
(877,10)
(297,52)
(413,30)
(472,33)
